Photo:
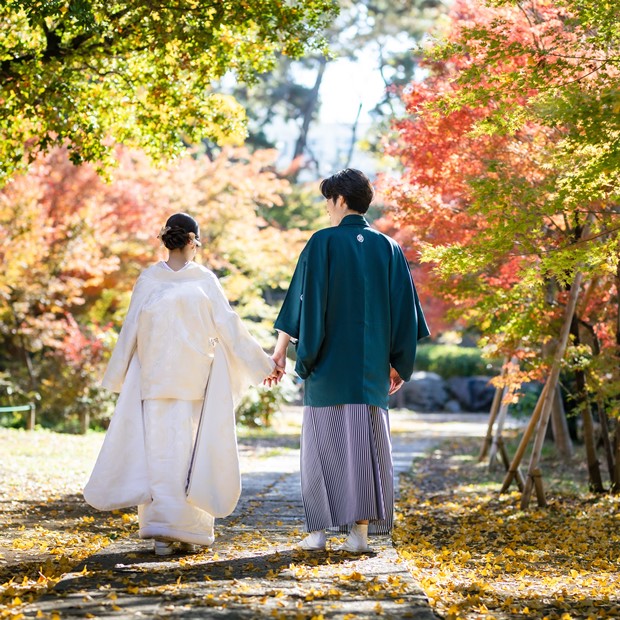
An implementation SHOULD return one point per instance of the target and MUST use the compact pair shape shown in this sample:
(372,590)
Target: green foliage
(87,74)
(260,403)
(450,360)
(68,392)
(303,208)
(526,401)
(258,407)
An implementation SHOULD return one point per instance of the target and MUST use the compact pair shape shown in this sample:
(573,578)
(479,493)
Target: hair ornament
(193,239)
(163,231)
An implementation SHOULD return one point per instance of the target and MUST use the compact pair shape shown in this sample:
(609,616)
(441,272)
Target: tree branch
(53,49)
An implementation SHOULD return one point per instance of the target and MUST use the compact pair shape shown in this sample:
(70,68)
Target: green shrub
(451,360)
(260,403)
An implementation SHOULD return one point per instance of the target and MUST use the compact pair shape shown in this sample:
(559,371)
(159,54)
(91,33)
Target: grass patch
(46,528)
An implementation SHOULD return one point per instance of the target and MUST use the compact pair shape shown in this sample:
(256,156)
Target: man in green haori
(354,314)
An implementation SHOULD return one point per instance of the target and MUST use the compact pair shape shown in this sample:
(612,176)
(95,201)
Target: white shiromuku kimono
(181,362)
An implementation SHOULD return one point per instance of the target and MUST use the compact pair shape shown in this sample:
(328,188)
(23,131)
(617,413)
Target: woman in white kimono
(182,359)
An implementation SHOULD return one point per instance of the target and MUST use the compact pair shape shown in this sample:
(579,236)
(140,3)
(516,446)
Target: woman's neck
(177,259)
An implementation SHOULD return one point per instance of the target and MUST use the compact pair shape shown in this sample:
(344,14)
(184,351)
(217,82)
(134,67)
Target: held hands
(279,358)
(278,371)
(395,381)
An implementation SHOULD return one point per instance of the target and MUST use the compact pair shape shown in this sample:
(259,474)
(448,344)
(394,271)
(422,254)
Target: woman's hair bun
(179,230)
(175,237)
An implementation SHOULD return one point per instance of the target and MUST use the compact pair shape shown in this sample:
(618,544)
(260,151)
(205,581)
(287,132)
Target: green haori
(354,310)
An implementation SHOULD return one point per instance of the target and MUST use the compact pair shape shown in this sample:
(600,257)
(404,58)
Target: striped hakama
(346,467)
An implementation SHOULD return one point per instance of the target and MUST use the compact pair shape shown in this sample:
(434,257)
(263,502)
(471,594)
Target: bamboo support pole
(536,476)
(498,398)
(506,460)
(513,470)
(501,419)
(495,405)
(587,295)
(552,382)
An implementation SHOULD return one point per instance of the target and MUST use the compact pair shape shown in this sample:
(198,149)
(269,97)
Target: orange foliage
(72,245)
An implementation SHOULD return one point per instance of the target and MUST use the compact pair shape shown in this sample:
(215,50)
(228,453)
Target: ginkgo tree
(510,147)
(90,73)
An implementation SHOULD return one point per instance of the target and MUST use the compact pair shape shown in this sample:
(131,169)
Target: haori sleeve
(406,316)
(302,315)
(127,340)
(289,317)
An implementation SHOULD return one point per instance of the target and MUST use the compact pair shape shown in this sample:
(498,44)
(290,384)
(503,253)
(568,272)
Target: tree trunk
(609,449)
(618,304)
(309,109)
(533,478)
(615,486)
(604,421)
(594,470)
(347,163)
(615,489)
(561,437)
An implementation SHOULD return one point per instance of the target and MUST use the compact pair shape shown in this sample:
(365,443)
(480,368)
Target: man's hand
(279,358)
(395,382)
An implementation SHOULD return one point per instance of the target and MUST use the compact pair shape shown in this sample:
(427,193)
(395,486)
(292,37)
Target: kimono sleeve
(289,317)
(406,316)
(302,315)
(250,363)
(127,340)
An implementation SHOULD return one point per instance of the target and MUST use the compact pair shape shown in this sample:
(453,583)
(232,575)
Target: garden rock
(425,391)
(473,393)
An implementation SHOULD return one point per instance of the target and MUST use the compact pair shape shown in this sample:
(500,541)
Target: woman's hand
(395,382)
(277,373)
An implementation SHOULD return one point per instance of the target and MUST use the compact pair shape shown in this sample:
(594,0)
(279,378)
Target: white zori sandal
(163,547)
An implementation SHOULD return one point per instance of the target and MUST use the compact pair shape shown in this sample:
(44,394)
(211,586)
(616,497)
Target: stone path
(253,569)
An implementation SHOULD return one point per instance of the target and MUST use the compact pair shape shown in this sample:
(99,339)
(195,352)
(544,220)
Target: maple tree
(508,150)
(53,237)
(90,74)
